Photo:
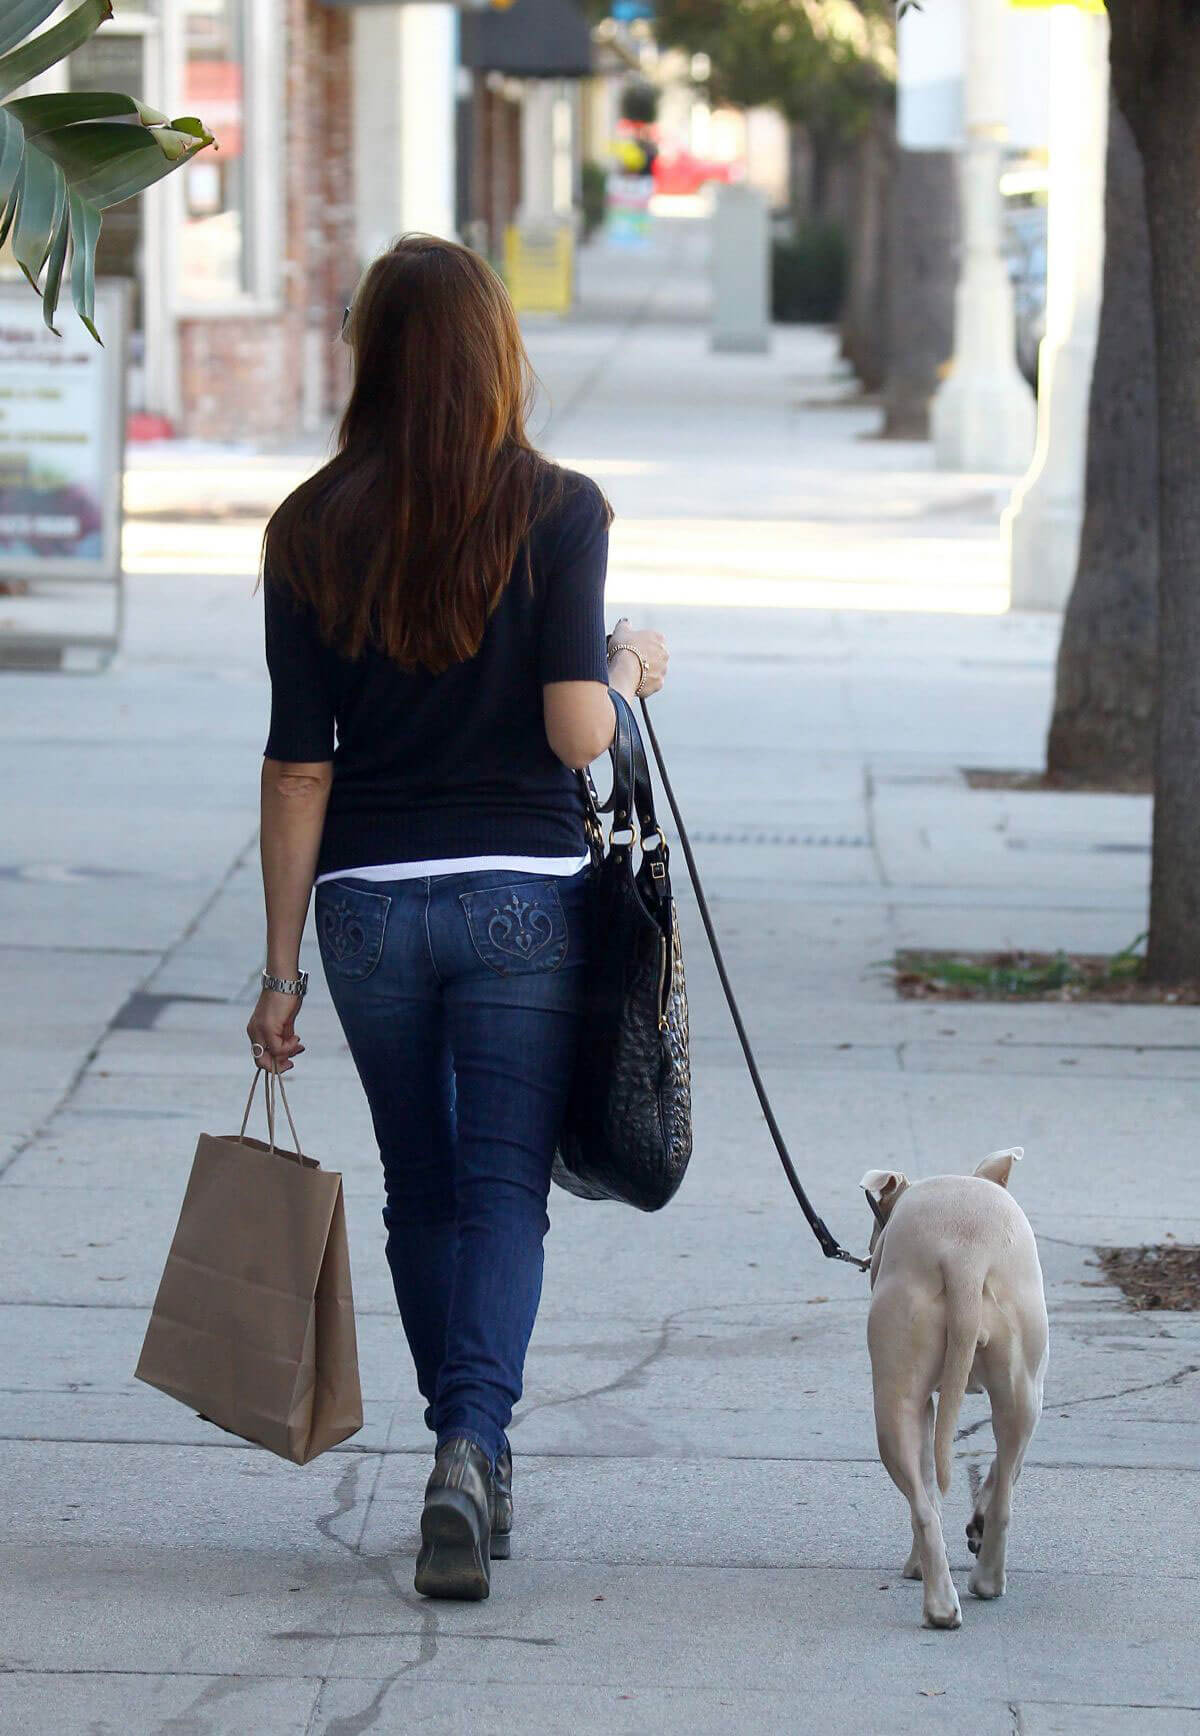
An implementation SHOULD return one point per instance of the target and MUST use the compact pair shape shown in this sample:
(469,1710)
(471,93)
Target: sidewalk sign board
(62,459)
(539,267)
(628,209)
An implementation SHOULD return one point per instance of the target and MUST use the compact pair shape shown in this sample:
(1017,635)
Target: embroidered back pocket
(519,928)
(350,928)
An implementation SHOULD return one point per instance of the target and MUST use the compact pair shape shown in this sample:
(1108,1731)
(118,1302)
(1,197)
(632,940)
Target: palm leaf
(20,17)
(66,156)
(63,108)
(85,232)
(56,263)
(107,162)
(19,65)
(43,198)
(12,149)
(8,215)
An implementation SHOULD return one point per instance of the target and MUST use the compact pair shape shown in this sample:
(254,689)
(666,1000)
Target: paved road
(706,1540)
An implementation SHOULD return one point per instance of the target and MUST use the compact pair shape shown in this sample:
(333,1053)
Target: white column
(1046,513)
(427,98)
(740,266)
(405,70)
(538,152)
(983,415)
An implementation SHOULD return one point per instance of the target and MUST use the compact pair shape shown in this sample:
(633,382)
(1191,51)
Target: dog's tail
(964,1317)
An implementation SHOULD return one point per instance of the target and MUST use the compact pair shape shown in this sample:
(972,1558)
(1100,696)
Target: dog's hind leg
(900,1430)
(1013,1421)
(978,1519)
(912,1567)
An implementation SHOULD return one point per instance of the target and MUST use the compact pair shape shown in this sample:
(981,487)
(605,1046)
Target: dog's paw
(975,1532)
(939,1613)
(912,1567)
(986,1585)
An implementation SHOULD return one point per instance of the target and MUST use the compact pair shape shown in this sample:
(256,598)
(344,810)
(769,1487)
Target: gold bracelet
(616,645)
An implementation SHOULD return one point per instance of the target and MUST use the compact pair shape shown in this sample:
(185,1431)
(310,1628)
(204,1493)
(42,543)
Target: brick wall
(245,378)
(495,160)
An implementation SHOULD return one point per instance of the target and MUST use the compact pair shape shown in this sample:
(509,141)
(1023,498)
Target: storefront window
(215,242)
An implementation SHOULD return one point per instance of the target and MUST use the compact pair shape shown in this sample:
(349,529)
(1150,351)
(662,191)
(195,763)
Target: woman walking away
(435,595)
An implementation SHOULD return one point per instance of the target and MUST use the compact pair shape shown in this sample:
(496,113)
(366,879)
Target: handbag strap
(631,799)
(632,796)
(830,1246)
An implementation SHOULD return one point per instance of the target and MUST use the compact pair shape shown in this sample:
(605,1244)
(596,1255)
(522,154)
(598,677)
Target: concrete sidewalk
(706,1541)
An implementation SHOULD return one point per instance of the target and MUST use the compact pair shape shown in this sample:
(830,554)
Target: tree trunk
(864,331)
(1104,701)
(1156,75)
(821,183)
(800,173)
(923,241)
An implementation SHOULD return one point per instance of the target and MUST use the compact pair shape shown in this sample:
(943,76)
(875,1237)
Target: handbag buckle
(655,842)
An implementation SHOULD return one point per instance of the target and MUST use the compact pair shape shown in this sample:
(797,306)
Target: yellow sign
(1041,5)
(539,267)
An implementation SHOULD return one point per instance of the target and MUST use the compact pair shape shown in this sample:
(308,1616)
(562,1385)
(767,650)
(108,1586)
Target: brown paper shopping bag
(253,1325)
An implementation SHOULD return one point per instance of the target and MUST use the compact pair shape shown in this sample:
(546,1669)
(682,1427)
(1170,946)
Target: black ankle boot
(502,1507)
(454,1559)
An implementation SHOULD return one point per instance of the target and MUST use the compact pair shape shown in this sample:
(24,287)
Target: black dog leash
(830,1246)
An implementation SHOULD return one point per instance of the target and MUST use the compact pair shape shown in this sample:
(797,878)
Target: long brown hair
(407,538)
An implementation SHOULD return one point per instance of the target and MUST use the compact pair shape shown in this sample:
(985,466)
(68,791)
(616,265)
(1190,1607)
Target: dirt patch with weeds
(1056,783)
(1035,976)
(1164,1275)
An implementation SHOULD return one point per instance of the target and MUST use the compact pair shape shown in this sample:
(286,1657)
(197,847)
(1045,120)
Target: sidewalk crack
(1053,1404)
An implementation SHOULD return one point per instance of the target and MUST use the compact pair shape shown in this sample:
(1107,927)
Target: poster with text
(61,439)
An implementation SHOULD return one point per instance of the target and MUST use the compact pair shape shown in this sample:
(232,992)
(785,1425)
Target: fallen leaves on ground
(1165,1275)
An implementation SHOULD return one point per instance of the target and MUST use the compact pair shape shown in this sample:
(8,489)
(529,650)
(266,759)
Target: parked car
(1025,225)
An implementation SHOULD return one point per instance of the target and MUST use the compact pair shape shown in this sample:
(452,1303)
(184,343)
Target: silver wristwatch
(297,985)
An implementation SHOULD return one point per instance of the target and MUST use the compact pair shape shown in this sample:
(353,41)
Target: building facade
(239,265)
(339,123)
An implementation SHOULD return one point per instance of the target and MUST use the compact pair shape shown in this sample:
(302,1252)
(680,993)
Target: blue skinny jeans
(460,998)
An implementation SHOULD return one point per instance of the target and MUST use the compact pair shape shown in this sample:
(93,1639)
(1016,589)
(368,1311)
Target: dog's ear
(883,1188)
(998,1167)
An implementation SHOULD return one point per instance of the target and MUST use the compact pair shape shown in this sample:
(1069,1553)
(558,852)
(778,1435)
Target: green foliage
(67,156)
(595,190)
(821,62)
(1018,976)
(808,274)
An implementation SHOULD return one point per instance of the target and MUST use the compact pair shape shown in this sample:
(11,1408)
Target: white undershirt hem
(547,867)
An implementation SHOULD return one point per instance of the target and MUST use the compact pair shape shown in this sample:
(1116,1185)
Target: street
(705,1540)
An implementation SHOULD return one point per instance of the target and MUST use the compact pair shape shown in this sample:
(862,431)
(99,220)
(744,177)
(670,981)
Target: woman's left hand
(272,1029)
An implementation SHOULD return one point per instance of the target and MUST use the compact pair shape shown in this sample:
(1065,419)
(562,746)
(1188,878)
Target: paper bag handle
(273,1079)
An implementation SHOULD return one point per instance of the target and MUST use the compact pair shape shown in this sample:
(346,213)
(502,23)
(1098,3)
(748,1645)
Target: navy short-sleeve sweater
(432,767)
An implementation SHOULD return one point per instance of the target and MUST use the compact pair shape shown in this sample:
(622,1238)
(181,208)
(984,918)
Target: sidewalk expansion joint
(81,1071)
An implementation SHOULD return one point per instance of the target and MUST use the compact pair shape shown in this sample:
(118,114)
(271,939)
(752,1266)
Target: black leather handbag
(628,1130)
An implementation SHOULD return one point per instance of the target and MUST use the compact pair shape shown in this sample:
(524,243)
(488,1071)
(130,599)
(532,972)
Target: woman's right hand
(625,672)
(272,1032)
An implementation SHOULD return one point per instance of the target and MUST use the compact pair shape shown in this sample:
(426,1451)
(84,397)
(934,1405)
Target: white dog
(957,1305)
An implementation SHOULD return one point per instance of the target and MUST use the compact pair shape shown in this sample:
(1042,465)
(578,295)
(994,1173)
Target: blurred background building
(339,124)
(239,265)
(343,122)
